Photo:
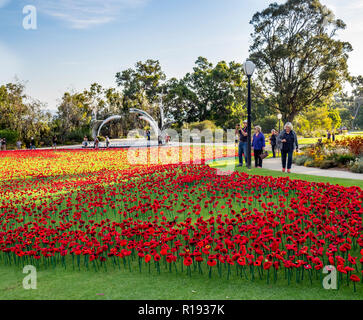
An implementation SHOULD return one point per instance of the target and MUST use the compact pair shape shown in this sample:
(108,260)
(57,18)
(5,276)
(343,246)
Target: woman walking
(288,142)
(258,144)
(273,142)
(96,143)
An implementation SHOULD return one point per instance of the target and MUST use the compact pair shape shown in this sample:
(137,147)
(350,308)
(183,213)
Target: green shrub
(9,135)
(326,164)
(206,124)
(356,166)
(268,123)
(309,163)
(300,160)
(77,135)
(344,159)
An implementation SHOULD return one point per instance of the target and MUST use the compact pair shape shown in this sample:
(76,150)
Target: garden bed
(344,154)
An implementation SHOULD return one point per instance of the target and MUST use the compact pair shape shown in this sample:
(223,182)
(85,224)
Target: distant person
(107,142)
(55,140)
(273,140)
(333,135)
(148,135)
(32,143)
(242,143)
(328,134)
(85,142)
(18,144)
(3,144)
(288,140)
(96,143)
(258,144)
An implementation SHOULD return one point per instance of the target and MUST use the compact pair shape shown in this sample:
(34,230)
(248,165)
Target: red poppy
(354,278)
(211,262)
(188,261)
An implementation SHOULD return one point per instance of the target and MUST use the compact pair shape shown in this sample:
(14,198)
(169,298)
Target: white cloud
(82,14)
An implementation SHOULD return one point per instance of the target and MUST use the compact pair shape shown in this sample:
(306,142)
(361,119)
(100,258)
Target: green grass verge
(122,284)
(297,176)
(303,141)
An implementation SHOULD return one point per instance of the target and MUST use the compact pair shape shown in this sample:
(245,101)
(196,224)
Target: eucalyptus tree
(299,59)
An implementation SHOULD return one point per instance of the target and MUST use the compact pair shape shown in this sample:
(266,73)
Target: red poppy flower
(211,263)
(188,261)
(354,278)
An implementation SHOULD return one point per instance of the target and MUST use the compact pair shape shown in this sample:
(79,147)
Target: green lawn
(303,141)
(265,172)
(122,284)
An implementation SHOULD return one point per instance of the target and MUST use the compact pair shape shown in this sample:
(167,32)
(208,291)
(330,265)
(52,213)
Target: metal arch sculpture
(95,124)
(160,132)
(143,115)
(117,117)
(148,118)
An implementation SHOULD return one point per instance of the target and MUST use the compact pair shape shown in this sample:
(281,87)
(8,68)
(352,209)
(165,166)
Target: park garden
(84,214)
(172,221)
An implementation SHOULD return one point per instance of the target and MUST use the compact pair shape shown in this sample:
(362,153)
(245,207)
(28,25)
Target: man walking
(242,145)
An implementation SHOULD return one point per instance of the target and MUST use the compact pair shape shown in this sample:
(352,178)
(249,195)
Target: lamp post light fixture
(279,116)
(249,68)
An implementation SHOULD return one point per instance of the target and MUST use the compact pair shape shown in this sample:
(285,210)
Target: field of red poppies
(96,210)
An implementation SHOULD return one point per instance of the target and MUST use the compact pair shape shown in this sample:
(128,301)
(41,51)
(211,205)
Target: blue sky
(78,42)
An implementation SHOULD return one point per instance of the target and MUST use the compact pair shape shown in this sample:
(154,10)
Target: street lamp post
(279,116)
(249,68)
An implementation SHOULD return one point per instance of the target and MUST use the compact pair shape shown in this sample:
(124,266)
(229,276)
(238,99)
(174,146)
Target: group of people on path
(330,135)
(285,141)
(96,142)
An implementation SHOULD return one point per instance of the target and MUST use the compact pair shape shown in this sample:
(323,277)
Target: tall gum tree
(300,62)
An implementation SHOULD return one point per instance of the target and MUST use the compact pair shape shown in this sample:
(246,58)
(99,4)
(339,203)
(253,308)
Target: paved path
(275,164)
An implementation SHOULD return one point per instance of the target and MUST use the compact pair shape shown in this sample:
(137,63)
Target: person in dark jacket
(258,144)
(242,145)
(287,140)
(55,140)
(32,143)
(273,142)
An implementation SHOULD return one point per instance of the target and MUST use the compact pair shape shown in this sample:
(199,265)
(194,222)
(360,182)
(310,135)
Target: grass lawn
(303,141)
(265,172)
(125,285)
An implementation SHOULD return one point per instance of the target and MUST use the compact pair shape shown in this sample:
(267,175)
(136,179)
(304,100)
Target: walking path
(275,164)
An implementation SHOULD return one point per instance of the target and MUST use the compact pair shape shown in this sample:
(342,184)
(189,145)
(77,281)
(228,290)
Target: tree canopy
(300,62)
